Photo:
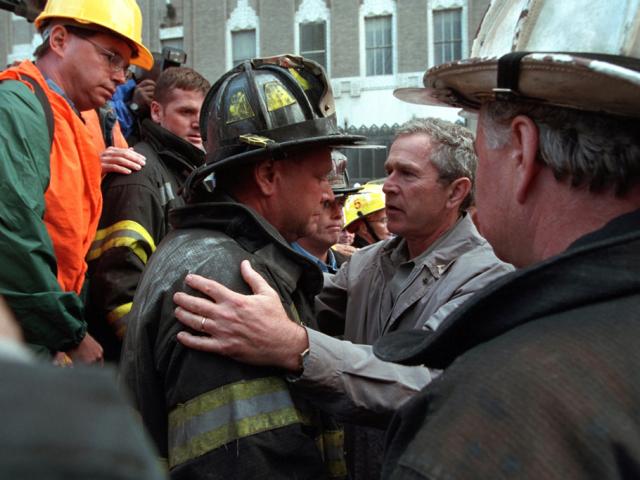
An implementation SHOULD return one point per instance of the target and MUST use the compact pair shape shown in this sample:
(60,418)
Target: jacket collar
(573,278)
(459,239)
(255,235)
(170,147)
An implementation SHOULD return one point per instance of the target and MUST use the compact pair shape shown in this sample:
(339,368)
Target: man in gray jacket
(413,281)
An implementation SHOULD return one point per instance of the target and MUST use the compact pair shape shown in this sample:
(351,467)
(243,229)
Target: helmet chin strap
(369,228)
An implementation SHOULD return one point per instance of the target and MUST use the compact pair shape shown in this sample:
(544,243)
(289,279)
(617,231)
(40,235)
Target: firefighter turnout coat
(211,416)
(135,218)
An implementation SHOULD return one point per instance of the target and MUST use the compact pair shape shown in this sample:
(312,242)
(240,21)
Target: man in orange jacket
(50,191)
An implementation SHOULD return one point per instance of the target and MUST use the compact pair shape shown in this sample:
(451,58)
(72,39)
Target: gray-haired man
(413,281)
(541,368)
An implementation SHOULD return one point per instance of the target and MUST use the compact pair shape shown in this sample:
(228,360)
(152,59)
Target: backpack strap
(46,106)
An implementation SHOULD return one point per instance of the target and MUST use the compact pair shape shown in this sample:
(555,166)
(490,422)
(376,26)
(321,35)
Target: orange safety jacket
(92,121)
(73,200)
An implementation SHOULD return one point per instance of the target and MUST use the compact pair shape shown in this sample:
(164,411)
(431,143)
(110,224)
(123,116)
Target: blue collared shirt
(330,267)
(56,88)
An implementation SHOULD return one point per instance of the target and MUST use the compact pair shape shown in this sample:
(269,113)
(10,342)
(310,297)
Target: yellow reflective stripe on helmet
(239,108)
(304,83)
(125,233)
(229,413)
(114,317)
(277,96)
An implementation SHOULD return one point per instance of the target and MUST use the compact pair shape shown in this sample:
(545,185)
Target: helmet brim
(255,153)
(560,79)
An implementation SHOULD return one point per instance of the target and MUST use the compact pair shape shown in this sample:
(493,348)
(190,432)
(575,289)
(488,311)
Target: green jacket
(49,317)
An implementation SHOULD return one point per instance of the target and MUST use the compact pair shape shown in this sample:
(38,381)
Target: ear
(58,39)
(156,111)
(525,142)
(264,174)
(458,191)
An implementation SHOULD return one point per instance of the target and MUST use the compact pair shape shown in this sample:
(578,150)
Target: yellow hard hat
(122,17)
(368,200)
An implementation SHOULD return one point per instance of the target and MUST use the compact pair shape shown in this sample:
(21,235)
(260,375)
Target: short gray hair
(594,149)
(453,154)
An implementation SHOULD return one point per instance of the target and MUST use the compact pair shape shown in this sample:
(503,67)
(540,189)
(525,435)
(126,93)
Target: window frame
(314,11)
(378,8)
(449,43)
(373,50)
(243,17)
(235,61)
(438,5)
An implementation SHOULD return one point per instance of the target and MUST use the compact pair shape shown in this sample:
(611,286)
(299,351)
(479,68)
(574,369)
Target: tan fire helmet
(581,55)
(339,177)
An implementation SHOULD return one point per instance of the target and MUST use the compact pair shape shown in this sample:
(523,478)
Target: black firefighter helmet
(267,106)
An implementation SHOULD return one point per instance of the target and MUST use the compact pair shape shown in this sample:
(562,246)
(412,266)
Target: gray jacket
(363,389)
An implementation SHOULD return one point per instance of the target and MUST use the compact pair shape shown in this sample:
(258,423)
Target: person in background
(328,225)
(365,216)
(132,104)
(135,216)
(346,237)
(50,185)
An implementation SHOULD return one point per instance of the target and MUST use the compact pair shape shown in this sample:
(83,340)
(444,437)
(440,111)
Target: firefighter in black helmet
(269,128)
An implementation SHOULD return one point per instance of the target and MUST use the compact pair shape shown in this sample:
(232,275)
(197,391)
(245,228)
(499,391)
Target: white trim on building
(243,17)
(377,8)
(170,33)
(314,11)
(435,5)
(24,51)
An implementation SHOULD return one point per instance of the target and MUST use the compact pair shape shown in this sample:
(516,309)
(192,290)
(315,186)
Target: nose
(119,77)
(336,211)
(388,184)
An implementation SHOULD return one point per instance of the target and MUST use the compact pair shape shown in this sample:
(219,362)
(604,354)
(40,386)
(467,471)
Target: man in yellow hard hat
(326,228)
(50,169)
(365,216)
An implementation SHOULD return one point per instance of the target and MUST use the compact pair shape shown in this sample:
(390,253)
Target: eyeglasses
(116,62)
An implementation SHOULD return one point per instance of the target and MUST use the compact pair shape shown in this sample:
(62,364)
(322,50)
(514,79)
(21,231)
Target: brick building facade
(369,47)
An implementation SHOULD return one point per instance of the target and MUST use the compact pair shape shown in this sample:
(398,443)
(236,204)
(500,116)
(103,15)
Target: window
(243,45)
(313,42)
(447,35)
(172,37)
(379,48)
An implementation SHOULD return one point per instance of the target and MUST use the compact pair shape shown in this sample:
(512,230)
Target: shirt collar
(56,88)
(329,267)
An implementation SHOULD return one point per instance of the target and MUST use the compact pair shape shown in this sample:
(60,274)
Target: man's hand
(89,351)
(346,250)
(252,329)
(121,160)
(143,94)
